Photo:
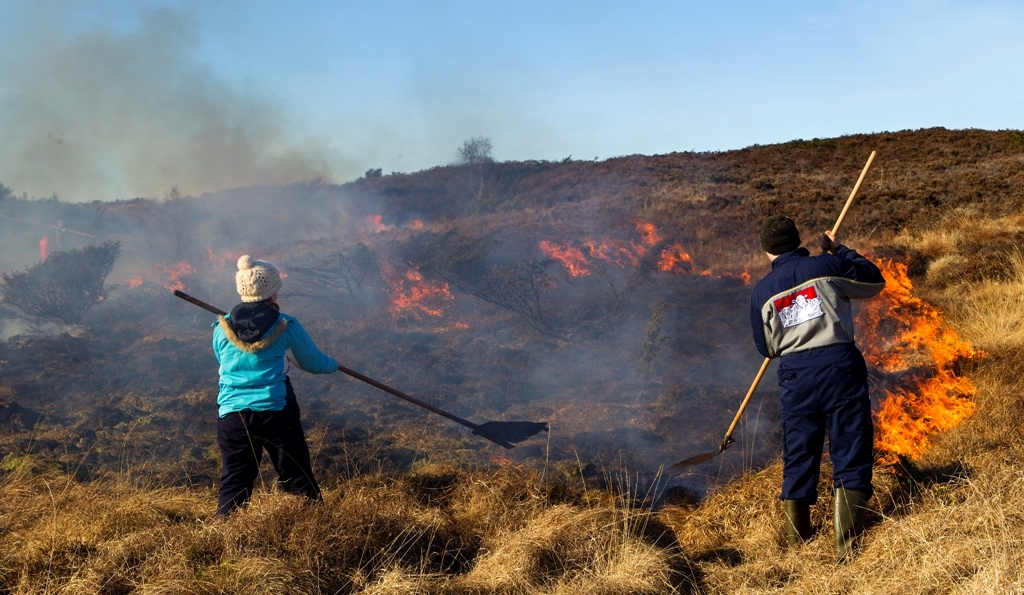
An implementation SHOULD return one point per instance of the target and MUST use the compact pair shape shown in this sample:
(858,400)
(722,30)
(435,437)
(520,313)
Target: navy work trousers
(244,435)
(825,390)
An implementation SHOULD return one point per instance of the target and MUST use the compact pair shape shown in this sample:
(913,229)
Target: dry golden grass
(440,529)
(991,313)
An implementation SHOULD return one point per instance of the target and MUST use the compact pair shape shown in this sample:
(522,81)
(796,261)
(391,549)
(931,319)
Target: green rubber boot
(850,507)
(798,522)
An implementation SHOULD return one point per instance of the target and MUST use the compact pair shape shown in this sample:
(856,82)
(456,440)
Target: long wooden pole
(856,188)
(743,405)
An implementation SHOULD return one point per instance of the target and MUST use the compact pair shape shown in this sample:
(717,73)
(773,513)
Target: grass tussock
(991,312)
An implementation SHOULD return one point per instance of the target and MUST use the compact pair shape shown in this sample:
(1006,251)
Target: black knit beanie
(779,235)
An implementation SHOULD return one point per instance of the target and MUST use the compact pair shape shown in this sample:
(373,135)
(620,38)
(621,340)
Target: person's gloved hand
(828,243)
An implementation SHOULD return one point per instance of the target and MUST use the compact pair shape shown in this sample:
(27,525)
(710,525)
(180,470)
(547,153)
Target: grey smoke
(106,115)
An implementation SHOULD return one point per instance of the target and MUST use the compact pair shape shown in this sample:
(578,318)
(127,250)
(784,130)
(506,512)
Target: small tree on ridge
(475,151)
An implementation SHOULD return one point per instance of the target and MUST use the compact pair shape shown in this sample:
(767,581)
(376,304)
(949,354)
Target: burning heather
(571,258)
(409,293)
(906,337)
(579,262)
(375,223)
(173,273)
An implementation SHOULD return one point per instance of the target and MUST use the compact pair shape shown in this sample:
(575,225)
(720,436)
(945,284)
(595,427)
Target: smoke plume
(107,115)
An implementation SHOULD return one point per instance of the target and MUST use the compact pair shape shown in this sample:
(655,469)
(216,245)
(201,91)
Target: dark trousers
(242,438)
(825,390)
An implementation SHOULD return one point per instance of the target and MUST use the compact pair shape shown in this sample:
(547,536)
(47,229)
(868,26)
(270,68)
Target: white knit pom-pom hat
(256,280)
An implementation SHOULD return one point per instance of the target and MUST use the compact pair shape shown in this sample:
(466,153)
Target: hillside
(608,299)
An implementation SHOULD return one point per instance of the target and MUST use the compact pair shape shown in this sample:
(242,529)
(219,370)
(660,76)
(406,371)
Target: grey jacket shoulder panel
(816,313)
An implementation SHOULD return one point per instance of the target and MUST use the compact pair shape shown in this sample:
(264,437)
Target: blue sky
(118,99)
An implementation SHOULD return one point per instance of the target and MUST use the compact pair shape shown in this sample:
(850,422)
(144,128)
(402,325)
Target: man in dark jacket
(801,313)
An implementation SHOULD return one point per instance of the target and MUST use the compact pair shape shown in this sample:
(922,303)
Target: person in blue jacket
(257,405)
(801,313)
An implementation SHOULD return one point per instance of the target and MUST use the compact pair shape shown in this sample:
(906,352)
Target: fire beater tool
(690,462)
(504,433)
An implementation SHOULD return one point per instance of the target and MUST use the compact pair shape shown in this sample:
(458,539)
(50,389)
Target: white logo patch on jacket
(799,307)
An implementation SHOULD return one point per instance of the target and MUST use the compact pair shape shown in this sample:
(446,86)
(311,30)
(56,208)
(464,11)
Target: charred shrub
(346,273)
(65,285)
(458,257)
(517,288)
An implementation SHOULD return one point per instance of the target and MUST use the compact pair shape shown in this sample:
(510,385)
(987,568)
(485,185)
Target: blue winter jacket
(252,358)
(804,302)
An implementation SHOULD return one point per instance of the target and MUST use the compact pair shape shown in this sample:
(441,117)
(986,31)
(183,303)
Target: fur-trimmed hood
(255,347)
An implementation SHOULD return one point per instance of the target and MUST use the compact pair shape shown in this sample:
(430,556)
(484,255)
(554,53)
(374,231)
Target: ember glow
(410,293)
(374,223)
(44,248)
(904,334)
(579,262)
(135,281)
(173,274)
(648,233)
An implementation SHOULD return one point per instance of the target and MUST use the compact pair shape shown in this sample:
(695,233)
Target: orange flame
(672,259)
(174,272)
(904,333)
(648,233)
(44,248)
(411,293)
(619,253)
(571,258)
(416,224)
(676,260)
(744,276)
(135,281)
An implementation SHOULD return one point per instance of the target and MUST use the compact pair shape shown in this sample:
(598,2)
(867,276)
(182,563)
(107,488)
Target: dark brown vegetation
(110,490)
(65,285)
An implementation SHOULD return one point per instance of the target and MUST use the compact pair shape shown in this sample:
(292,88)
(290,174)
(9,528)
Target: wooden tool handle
(200,303)
(856,188)
(746,399)
(413,400)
